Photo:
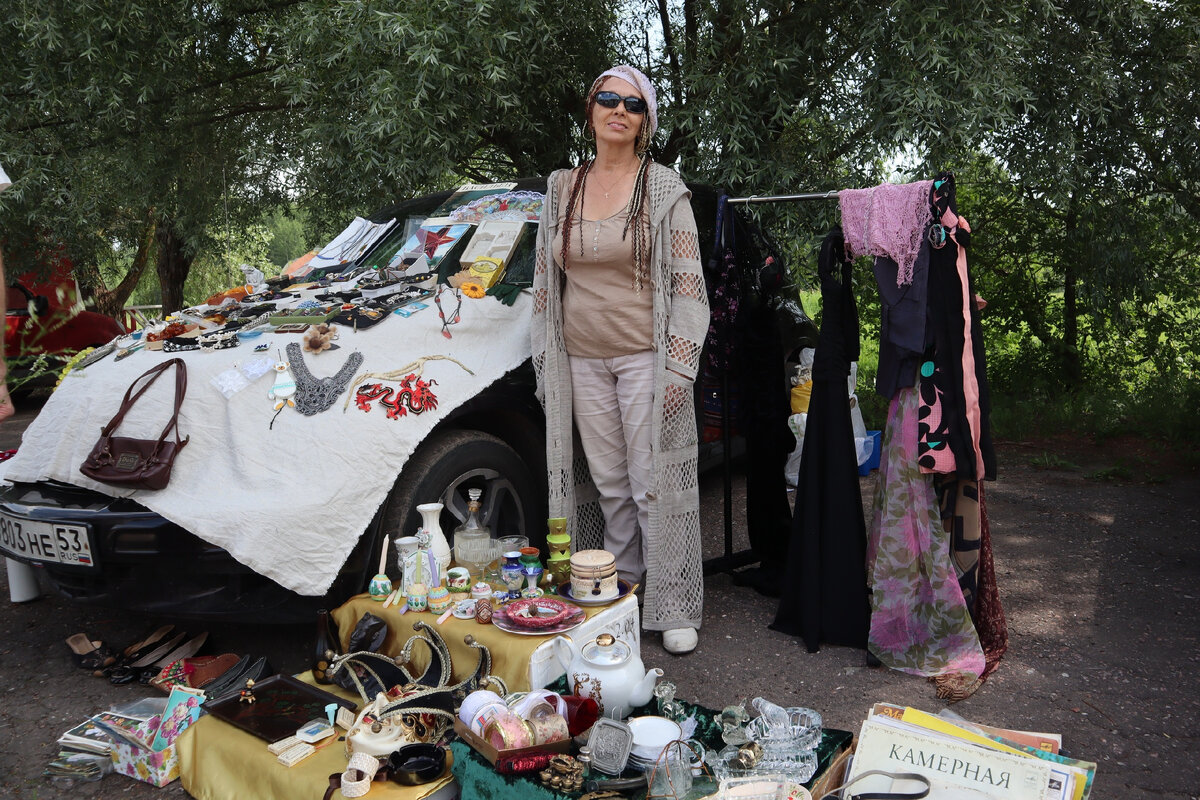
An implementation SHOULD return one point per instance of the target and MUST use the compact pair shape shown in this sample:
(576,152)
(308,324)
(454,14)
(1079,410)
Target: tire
(443,468)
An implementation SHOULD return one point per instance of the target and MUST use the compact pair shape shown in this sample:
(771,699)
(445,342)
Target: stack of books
(83,754)
(900,749)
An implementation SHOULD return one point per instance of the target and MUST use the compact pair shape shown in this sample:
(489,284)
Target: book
(493,239)
(956,770)
(1070,778)
(87,737)
(351,243)
(433,241)
(469,192)
(136,731)
(183,708)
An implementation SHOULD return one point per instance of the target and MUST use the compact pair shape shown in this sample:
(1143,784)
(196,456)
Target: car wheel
(444,468)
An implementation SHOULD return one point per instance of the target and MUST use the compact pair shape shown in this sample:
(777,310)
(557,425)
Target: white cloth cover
(288,502)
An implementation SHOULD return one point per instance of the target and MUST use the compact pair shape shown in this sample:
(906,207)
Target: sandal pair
(89,653)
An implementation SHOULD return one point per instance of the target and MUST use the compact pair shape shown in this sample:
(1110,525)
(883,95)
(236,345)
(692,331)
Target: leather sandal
(90,653)
(194,673)
(185,650)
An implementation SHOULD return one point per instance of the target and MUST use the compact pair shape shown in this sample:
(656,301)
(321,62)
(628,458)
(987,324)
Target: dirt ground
(1097,555)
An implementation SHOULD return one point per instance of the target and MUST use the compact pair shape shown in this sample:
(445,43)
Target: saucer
(564,591)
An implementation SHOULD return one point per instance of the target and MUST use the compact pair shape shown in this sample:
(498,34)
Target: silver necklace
(314,395)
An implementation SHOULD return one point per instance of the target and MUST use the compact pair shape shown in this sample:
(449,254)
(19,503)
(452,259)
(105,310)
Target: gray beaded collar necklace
(314,395)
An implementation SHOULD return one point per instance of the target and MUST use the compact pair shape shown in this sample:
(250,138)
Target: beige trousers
(613,409)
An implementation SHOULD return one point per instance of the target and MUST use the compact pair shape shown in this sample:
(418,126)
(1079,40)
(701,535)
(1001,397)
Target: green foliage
(1071,125)
(287,239)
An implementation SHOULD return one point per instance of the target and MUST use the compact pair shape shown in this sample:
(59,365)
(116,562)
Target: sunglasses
(634,105)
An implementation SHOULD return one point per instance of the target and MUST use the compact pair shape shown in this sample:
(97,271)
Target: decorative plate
(564,591)
(501,620)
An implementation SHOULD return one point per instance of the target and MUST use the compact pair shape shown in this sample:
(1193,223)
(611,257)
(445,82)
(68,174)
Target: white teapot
(608,671)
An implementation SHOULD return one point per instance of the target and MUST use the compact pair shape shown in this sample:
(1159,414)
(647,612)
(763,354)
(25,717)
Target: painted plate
(502,621)
(564,591)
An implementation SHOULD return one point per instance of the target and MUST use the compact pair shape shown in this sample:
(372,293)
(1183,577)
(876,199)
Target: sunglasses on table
(634,105)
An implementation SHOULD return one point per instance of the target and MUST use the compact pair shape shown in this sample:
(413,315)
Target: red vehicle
(43,316)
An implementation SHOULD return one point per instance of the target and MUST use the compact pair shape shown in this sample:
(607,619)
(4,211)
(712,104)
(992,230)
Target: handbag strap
(132,397)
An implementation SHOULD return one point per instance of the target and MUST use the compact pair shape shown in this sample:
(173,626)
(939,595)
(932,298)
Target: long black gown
(824,597)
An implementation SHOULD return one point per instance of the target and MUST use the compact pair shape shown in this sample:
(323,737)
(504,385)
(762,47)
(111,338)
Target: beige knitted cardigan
(674,591)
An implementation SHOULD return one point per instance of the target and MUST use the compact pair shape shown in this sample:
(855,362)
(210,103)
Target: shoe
(136,651)
(231,679)
(124,673)
(185,650)
(194,673)
(255,671)
(872,661)
(680,640)
(90,653)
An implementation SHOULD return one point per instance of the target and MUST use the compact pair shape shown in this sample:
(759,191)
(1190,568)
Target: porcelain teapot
(608,671)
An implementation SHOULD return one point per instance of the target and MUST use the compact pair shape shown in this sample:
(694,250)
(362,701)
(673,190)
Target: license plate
(56,542)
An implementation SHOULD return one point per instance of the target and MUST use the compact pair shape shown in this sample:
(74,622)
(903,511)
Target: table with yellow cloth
(522,662)
(220,762)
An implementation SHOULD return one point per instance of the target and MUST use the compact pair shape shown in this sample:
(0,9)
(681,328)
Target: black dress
(824,596)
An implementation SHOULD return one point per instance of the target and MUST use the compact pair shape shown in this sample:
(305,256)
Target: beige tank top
(603,316)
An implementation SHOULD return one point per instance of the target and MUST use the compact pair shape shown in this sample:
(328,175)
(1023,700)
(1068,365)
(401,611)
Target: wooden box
(485,749)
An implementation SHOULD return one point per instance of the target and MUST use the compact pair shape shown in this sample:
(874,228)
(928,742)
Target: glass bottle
(472,539)
(325,648)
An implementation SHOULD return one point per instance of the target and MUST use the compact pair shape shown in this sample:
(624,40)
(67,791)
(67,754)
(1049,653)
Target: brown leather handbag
(139,463)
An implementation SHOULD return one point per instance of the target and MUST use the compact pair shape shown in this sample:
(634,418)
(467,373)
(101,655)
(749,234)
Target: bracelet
(360,771)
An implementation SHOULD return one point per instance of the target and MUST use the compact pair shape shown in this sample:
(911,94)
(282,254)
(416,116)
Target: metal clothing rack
(730,561)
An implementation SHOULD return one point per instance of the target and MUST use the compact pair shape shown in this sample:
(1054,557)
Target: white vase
(431,523)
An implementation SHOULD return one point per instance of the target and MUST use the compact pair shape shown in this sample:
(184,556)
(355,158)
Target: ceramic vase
(431,523)
(513,574)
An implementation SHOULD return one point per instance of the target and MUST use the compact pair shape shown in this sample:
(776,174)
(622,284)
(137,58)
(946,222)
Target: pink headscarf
(637,78)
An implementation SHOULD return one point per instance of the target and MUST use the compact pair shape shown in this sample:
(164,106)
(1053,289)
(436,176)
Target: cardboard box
(485,749)
(156,768)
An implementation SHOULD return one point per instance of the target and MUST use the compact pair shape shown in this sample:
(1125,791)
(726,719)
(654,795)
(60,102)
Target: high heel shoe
(128,672)
(138,650)
(90,653)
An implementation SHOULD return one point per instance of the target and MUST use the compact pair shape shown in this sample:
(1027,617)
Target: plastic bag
(791,470)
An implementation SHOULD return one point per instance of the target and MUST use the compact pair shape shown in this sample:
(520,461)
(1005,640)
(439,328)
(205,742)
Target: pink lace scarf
(887,220)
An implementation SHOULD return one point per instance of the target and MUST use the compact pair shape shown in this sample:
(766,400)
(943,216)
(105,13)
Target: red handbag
(139,463)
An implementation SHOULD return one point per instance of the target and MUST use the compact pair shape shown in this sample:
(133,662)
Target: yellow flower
(473,289)
(75,359)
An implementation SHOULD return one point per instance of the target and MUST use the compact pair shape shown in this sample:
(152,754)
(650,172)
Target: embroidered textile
(887,220)
(314,395)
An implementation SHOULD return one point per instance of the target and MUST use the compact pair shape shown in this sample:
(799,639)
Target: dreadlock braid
(576,196)
(639,220)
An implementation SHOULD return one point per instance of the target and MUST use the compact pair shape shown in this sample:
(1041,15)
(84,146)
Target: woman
(620,315)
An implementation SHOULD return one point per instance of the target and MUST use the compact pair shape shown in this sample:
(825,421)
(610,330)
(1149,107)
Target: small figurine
(256,282)
(284,387)
(247,694)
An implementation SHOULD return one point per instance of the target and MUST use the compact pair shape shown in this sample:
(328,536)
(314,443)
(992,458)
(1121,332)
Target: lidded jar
(594,575)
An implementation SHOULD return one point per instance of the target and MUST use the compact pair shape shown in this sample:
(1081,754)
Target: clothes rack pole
(782,198)
(729,560)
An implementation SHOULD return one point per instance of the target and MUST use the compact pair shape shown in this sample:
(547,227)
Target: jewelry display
(416,398)
(314,395)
